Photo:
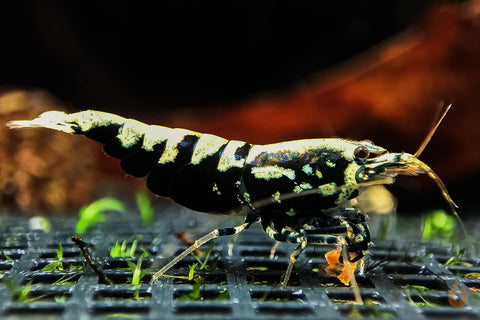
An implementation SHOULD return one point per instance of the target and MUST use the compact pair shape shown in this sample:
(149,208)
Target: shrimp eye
(361,152)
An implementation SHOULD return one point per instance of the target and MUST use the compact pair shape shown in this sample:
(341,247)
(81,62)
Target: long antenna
(434,176)
(430,134)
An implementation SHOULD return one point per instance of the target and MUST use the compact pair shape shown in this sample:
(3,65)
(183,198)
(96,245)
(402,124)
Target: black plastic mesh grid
(243,286)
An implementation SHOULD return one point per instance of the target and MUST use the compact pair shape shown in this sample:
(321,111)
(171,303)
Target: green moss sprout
(94,212)
(438,223)
(57,265)
(121,249)
(145,207)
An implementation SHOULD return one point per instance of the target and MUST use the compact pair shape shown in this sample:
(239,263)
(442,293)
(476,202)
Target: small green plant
(94,212)
(58,265)
(224,295)
(60,252)
(191,271)
(419,288)
(419,259)
(195,294)
(205,256)
(456,260)
(21,292)
(145,208)
(420,300)
(137,272)
(438,223)
(24,293)
(137,275)
(200,264)
(123,250)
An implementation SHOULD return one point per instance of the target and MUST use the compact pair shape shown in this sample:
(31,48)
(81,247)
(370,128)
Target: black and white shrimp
(300,191)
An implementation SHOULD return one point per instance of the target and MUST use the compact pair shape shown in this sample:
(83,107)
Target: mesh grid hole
(11,255)
(391,255)
(427,298)
(269,277)
(344,297)
(68,252)
(213,262)
(121,262)
(52,278)
(261,252)
(404,268)
(217,277)
(449,313)
(443,259)
(68,264)
(277,295)
(44,295)
(130,310)
(122,294)
(463,271)
(6,265)
(196,308)
(284,310)
(39,309)
(362,282)
(366,311)
(428,282)
(204,294)
(14,241)
(265,264)
(123,277)
(473,285)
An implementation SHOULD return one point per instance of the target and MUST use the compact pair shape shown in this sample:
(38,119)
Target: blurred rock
(41,170)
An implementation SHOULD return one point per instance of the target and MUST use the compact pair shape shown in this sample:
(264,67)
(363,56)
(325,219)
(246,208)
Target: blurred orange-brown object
(390,95)
(41,170)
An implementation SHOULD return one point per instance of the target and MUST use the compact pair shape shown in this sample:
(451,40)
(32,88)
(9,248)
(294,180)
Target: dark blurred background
(261,71)
(119,55)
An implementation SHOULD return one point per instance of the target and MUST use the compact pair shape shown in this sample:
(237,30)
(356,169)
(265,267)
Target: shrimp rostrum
(300,191)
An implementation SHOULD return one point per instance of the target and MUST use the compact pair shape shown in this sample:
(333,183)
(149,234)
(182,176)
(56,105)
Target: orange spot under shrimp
(337,269)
